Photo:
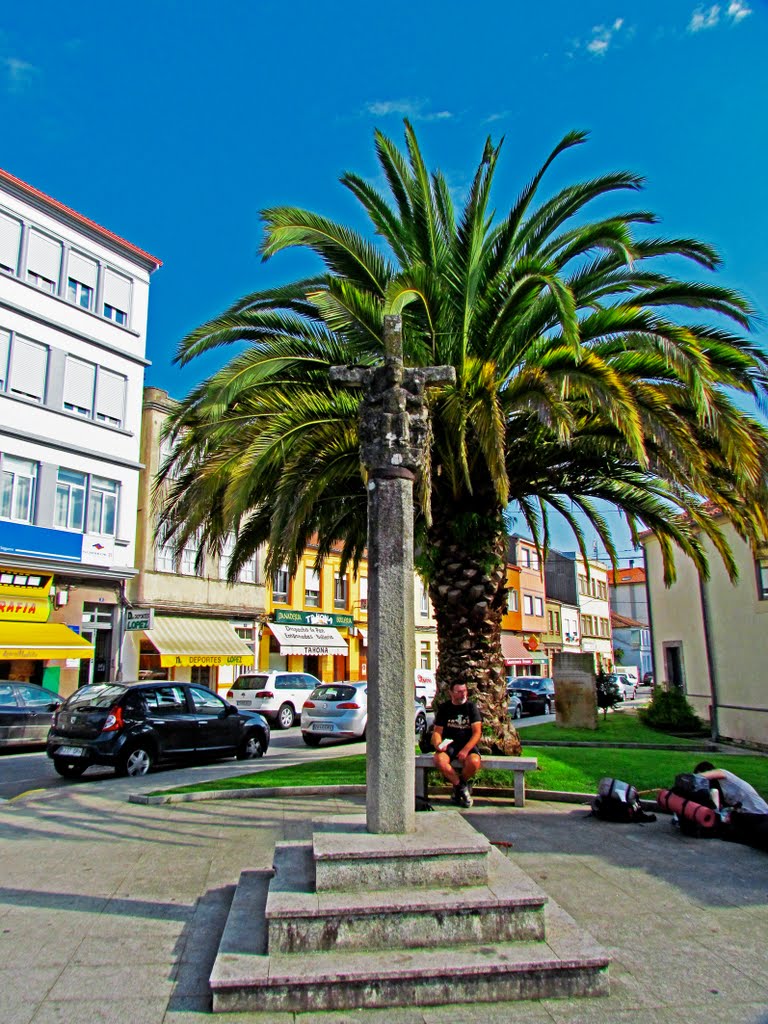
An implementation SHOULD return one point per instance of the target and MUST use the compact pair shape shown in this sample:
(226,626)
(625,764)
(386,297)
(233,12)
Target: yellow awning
(197,642)
(41,640)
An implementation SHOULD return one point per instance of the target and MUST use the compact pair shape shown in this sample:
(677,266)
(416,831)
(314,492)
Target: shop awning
(516,653)
(308,639)
(363,634)
(39,640)
(197,642)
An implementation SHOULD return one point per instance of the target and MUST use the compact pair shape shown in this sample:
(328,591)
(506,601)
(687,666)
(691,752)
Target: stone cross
(394,434)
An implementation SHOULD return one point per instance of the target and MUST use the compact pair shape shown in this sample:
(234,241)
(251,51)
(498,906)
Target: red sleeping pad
(705,817)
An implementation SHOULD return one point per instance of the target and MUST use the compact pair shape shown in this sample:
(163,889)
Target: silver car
(339,711)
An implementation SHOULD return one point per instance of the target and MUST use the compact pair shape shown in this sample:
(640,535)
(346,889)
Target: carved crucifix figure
(394,434)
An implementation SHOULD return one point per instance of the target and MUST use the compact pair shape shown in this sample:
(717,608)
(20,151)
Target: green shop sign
(314,618)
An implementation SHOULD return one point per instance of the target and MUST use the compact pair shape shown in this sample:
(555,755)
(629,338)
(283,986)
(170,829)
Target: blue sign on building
(40,542)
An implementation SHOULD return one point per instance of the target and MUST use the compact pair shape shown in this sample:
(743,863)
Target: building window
(113,313)
(513,601)
(423,600)
(525,558)
(69,511)
(27,368)
(538,606)
(583,587)
(425,654)
(586,625)
(102,506)
(43,262)
(165,556)
(311,588)
(10,241)
(189,553)
(605,627)
(248,572)
(44,283)
(94,392)
(363,593)
(761,566)
(79,293)
(554,622)
(528,604)
(17,489)
(280,583)
(340,591)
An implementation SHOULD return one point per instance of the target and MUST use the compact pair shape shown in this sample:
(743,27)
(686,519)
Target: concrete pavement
(112,912)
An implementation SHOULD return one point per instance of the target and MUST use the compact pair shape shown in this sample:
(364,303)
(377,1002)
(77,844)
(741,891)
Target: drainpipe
(711,666)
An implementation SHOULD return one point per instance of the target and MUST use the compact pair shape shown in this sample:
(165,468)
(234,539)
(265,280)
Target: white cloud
(602,37)
(709,17)
(412,109)
(17,74)
(738,10)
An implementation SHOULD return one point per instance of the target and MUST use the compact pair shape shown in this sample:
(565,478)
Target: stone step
(508,908)
(569,963)
(444,850)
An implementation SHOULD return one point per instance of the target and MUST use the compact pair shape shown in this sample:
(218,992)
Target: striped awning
(197,642)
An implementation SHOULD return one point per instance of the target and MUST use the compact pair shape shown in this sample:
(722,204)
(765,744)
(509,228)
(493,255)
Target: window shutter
(110,396)
(117,291)
(28,365)
(5,340)
(83,269)
(78,384)
(10,240)
(44,257)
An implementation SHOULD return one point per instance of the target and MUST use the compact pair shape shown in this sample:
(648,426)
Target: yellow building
(317,621)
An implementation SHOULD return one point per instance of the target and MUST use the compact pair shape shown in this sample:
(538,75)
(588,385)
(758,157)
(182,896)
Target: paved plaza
(112,912)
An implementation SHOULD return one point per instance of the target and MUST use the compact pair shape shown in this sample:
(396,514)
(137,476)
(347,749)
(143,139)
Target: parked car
(627,686)
(337,711)
(515,705)
(536,693)
(277,695)
(133,726)
(25,713)
(648,679)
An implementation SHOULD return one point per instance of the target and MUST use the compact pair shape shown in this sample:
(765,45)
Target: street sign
(139,618)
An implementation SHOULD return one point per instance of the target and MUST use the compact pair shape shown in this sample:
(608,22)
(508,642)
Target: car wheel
(310,739)
(421,724)
(69,769)
(518,712)
(251,747)
(285,717)
(135,762)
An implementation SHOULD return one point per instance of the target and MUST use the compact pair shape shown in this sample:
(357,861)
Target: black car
(132,727)
(25,713)
(537,693)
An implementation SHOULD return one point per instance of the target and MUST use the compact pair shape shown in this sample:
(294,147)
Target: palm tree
(585,373)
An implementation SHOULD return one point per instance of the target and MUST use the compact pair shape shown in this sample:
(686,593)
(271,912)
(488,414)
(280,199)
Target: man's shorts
(453,750)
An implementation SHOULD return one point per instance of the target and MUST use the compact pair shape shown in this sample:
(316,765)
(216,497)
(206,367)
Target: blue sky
(174,123)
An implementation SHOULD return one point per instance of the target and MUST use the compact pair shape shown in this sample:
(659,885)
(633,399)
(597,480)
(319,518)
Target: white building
(73,331)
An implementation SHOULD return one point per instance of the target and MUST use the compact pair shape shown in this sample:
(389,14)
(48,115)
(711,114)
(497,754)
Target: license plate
(69,752)
(320,727)
(243,703)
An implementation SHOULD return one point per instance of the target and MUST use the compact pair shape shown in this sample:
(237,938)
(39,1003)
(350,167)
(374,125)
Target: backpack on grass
(618,801)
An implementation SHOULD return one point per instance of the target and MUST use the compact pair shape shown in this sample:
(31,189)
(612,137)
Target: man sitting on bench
(455,735)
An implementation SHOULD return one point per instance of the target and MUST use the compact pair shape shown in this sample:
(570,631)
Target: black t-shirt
(456,721)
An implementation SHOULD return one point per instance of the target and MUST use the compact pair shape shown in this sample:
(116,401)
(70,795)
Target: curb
(286,791)
(707,747)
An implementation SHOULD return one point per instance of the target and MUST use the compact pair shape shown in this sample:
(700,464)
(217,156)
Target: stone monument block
(575,702)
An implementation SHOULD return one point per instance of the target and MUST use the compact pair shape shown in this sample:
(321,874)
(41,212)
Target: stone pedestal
(574,676)
(353,920)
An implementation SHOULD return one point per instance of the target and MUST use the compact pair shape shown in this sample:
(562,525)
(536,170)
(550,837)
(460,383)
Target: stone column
(394,434)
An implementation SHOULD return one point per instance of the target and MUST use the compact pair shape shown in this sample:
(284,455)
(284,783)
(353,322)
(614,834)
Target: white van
(426,686)
(631,671)
(279,696)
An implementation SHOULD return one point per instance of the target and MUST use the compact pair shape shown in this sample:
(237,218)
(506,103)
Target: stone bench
(517,765)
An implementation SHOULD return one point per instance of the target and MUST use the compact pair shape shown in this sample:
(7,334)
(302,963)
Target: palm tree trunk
(467,559)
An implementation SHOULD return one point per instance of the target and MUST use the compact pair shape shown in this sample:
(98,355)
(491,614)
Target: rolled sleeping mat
(704,817)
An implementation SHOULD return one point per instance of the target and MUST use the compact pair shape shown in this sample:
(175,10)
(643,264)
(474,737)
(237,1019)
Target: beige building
(203,629)
(710,638)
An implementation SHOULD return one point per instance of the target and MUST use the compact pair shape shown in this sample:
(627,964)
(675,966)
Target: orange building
(524,623)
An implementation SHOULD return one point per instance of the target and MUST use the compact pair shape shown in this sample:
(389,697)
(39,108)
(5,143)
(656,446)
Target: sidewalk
(112,912)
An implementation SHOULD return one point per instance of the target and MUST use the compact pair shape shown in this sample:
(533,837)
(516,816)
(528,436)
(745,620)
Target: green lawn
(567,769)
(619,727)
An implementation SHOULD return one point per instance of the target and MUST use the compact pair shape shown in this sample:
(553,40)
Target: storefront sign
(34,541)
(139,618)
(24,609)
(169,660)
(286,615)
(98,550)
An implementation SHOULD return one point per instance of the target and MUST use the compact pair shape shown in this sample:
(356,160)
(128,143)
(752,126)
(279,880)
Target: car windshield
(528,684)
(98,695)
(250,682)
